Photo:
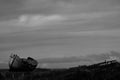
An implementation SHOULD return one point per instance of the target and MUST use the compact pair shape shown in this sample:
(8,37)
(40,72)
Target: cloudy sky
(58,28)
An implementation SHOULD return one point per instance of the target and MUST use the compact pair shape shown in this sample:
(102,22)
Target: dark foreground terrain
(102,71)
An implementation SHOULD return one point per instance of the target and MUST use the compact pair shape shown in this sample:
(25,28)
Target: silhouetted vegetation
(109,70)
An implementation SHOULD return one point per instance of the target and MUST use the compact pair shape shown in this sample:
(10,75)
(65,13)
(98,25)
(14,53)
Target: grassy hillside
(102,71)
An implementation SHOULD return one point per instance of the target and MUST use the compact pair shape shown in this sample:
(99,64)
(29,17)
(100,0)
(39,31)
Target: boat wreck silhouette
(22,64)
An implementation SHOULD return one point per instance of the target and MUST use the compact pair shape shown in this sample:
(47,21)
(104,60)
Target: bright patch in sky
(36,20)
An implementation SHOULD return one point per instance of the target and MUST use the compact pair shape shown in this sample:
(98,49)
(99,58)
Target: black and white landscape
(60,33)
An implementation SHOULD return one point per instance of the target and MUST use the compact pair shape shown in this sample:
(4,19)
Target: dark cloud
(69,6)
(10,8)
(13,8)
(112,2)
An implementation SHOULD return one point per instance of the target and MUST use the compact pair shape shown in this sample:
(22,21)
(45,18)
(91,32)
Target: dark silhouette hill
(66,62)
(106,70)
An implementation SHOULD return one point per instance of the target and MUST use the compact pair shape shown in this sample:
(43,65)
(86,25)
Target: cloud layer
(59,27)
(13,8)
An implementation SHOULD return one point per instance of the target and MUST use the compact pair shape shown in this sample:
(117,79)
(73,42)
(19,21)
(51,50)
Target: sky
(58,28)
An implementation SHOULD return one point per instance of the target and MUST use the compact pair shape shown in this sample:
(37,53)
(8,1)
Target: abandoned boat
(22,64)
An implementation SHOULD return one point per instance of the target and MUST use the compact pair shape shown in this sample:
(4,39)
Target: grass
(100,71)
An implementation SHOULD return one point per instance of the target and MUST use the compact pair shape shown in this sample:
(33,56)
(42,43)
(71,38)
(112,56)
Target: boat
(22,64)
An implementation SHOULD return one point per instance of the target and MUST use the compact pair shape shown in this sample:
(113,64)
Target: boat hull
(22,64)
